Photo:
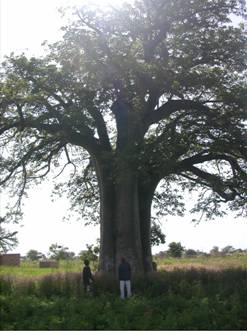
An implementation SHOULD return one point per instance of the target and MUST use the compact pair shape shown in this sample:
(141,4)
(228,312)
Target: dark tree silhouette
(152,94)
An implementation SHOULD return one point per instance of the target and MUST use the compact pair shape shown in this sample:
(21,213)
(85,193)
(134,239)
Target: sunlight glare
(25,24)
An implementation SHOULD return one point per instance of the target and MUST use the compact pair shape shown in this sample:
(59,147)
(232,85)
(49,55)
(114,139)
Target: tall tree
(152,94)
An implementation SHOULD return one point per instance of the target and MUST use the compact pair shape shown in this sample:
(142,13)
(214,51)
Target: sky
(24,25)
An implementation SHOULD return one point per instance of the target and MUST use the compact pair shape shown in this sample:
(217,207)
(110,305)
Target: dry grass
(213,263)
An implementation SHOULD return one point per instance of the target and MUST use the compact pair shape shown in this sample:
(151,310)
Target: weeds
(178,299)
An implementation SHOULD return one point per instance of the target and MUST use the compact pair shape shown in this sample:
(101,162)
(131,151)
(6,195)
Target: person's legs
(122,284)
(86,287)
(128,286)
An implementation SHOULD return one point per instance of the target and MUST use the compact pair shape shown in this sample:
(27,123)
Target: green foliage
(175,249)
(59,252)
(162,87)
(157,237)
(34,255)
(132,100)
(180,299)
(190,252)
(8,239)
(92,252)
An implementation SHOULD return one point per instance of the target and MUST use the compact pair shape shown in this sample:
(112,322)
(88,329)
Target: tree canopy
(150,94)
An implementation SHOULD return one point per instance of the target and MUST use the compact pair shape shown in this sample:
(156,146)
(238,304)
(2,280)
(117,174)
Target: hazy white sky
(24,25)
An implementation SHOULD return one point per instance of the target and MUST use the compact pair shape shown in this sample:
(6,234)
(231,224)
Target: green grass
(179,299)
(31,269)
(184,295)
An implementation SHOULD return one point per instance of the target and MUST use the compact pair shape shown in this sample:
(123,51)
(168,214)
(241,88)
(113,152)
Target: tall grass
(208,262)
(178,299)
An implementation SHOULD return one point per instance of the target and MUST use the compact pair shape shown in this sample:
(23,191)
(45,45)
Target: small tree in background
(190,252)
(34,255)
(92,252)
(215,251)
(228,250)
(59,252)
(175,249)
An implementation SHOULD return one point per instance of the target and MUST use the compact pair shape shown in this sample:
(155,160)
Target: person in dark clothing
(124,276)
(87,276)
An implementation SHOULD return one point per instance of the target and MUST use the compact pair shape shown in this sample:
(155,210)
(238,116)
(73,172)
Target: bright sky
(24,25)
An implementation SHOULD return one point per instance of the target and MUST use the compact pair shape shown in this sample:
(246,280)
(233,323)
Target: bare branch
(69,162)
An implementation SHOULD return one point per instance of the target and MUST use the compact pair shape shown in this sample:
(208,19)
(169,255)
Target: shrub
(178,299)
(175,249)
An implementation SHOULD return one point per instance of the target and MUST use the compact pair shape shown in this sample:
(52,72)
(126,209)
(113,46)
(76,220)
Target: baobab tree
(150,94)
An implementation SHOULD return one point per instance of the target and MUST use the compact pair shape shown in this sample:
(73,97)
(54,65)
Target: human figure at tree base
(154,266)
(87,276)
(124,276)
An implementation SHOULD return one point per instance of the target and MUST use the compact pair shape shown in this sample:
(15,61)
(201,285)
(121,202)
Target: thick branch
(200,158)
(216,183)
(173,106)
(84,139)
(101,128)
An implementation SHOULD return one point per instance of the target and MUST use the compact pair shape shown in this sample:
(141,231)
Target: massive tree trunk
(145,195)
(125,220)
(107,217)
(128,231)
(125,206)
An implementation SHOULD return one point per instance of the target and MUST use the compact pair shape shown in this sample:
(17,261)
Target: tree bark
(145,202)
(125,221)
(128,233)
(107,216)
(125,218)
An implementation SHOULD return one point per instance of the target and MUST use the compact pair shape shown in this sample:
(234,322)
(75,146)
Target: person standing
(124,275)
(87,276)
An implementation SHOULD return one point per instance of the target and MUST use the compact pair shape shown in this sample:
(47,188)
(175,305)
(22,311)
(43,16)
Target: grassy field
(207,262)
(31,269)
(182,295)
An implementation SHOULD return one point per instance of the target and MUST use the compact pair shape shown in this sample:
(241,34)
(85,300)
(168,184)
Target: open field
(207,262)
(177,297)
(31,269)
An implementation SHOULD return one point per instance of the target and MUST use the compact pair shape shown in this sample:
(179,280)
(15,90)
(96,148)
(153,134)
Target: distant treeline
(60,252)
(177,250)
